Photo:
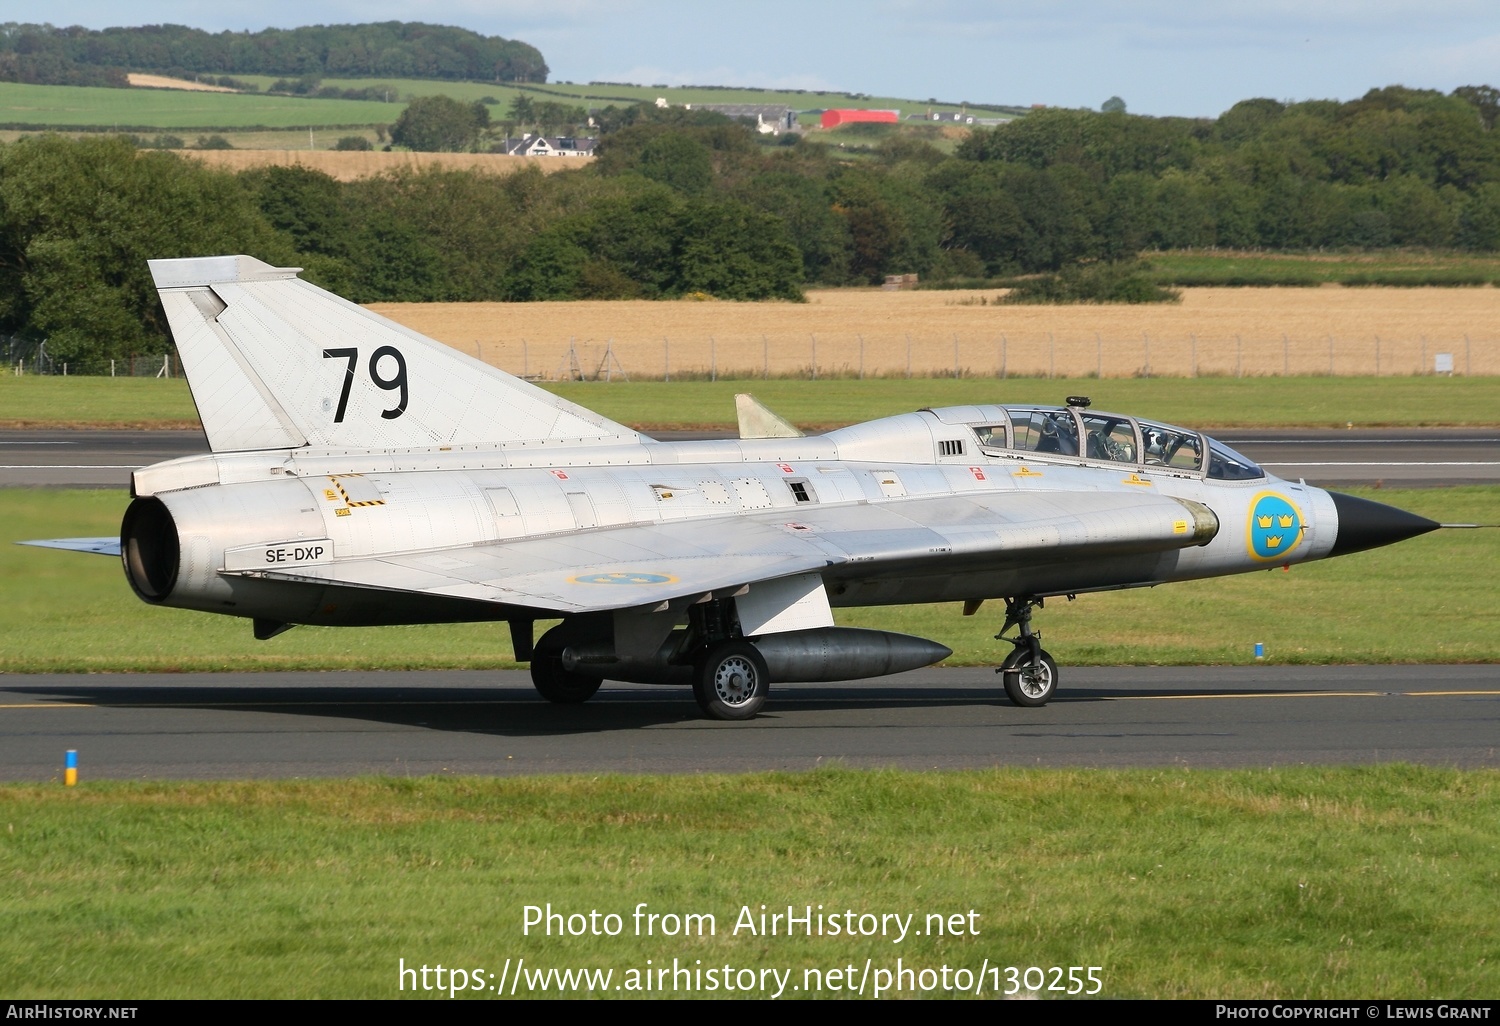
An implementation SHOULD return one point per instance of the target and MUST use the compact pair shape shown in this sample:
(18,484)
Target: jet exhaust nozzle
(150,550)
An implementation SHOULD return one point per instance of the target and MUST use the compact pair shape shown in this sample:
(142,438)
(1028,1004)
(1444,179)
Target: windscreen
(1227,465)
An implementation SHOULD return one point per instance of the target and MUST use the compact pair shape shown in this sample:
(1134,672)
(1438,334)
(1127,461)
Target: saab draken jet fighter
(362,474)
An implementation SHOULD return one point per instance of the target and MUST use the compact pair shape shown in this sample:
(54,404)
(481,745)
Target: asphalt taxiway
(235,725)
(336,724)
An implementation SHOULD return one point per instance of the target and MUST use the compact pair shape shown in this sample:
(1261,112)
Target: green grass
(1198,402)
(170,109)
(623,95)
(73,612)
(1376,267)
(41,401)
(1380,882)
(177,110)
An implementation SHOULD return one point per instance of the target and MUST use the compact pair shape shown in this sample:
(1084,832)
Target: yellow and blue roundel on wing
(624,577)
(1275,527)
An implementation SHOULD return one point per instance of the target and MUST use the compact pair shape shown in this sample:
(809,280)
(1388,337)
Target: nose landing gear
(1029,673)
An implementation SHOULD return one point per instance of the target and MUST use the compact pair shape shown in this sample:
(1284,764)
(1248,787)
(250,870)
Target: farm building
(834,118)
(770,119)
(557,146)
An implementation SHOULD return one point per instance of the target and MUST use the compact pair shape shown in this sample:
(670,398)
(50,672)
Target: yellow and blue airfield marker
(70,767)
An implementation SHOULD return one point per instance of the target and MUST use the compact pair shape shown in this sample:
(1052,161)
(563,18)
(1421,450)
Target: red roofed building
(834,118)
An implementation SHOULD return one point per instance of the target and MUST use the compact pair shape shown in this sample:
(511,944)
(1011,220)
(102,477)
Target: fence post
(1147,340)
(713,359)
(1004,353)
(814,356)
(1468,370)
(908,354)
(1099,356)
(1377,356)
(765,358)
(956,373)
(1285,357)
(1237,348)
(666,359)
(861,358)
(1330,356)
(1051,355)
(1422,370)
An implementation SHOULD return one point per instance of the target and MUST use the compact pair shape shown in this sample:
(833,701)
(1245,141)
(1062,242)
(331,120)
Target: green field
(183,110)
(1198,402)
(1378,267)
(136,110)
(1379,882)
(623,95)
(72,612)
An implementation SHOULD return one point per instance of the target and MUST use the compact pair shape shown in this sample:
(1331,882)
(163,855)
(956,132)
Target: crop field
(349,165)
(1225,332)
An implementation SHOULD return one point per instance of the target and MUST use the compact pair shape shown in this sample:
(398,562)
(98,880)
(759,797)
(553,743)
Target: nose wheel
(1029,681)
(1029,672)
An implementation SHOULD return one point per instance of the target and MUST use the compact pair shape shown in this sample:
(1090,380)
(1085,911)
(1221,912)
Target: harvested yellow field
(162,82)
(346,166)
(844,332)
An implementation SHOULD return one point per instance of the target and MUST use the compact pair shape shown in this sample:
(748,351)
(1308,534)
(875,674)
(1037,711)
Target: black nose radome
(1368,525)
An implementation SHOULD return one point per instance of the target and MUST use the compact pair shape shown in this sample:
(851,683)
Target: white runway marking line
(1302,694)
(1364,441)
(1389,463)
(249,704)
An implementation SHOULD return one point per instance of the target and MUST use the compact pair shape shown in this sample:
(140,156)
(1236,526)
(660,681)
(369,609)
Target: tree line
(683,202)
(47,54)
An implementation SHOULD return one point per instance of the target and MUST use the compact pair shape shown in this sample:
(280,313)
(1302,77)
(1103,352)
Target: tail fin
(275,362)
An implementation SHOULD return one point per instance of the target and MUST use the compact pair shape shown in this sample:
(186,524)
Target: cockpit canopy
(1110,437)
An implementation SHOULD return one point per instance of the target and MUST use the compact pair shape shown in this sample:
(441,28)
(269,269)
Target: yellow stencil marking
(347,501)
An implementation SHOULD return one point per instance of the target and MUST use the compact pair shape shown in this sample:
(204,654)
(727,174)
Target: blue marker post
(70,768)
(1260,650)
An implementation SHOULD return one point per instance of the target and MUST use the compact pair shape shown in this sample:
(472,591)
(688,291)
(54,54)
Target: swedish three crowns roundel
(1275,527)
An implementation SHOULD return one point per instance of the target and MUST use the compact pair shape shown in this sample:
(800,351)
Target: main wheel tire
(1027,683)
(555,682)
(731,682)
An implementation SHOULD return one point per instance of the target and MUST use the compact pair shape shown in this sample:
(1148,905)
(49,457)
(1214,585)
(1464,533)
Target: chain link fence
(877,354)
(24,356)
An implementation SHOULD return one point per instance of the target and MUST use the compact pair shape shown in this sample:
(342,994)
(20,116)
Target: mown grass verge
(1205,402)
(1196,268)
(1249,268)
(71,612)
(1377,882)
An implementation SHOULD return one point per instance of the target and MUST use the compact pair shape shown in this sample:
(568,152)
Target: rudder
(276,362)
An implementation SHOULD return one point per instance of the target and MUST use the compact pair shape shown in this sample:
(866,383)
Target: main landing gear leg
(1029,673)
